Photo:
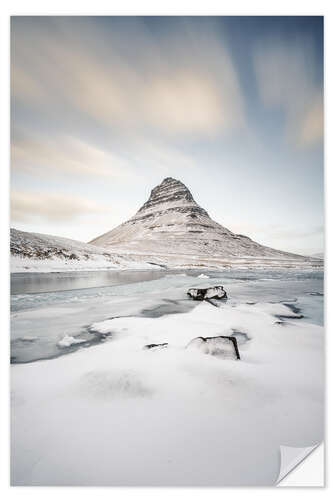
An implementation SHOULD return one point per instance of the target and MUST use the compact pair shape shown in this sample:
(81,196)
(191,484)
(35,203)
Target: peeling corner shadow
(291,457)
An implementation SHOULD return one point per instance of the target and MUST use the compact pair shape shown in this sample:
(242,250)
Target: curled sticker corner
(290,457)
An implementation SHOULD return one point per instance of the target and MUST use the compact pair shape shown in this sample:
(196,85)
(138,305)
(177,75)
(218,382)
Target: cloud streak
(192,90)
(51,206)
(287,81)
(42,155)
(62,155)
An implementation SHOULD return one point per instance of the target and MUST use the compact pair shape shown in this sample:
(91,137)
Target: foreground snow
(117,414)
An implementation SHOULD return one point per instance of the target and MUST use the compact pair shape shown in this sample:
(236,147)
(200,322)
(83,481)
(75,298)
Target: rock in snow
(221,345)
(67,341)
(215,292)
(156,346)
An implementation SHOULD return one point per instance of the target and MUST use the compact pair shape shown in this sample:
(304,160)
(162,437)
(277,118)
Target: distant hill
(319,255)
(38,252)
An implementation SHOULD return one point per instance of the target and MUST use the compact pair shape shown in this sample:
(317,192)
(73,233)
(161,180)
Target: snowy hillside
(171,223)
(43,252)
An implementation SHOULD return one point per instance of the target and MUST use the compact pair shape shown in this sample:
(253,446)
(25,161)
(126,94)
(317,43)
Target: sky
(104,108)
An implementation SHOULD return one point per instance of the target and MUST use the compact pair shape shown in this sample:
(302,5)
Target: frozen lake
(52,282)
(46,307)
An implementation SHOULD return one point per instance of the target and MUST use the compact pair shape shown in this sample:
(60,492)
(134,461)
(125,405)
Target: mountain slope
(172,223)
(43,252)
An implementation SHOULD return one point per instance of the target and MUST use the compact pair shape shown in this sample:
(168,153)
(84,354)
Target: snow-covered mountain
(170,230)
(172,223)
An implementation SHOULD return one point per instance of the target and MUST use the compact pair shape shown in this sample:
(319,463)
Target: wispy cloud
(192,89)
(287,81)
(42,155)
(312,126)
(62,155)
(51,206)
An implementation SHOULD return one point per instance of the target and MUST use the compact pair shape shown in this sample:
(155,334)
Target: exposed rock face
(172,223)
(156,346)
(215,292)
(175,196)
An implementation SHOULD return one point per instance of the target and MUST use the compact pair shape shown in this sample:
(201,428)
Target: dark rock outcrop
(156,346)
(214,292)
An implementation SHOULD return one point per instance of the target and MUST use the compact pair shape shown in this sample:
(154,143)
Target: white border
(126,7)
(168,7)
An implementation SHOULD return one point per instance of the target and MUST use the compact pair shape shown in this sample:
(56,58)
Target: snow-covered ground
(95,263)
(118,414)
(136,261)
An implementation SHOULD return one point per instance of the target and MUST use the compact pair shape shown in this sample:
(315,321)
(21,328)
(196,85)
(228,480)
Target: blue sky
(104,108)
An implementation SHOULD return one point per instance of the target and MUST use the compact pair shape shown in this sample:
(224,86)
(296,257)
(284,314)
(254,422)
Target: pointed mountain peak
(169,192)
(170,181)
